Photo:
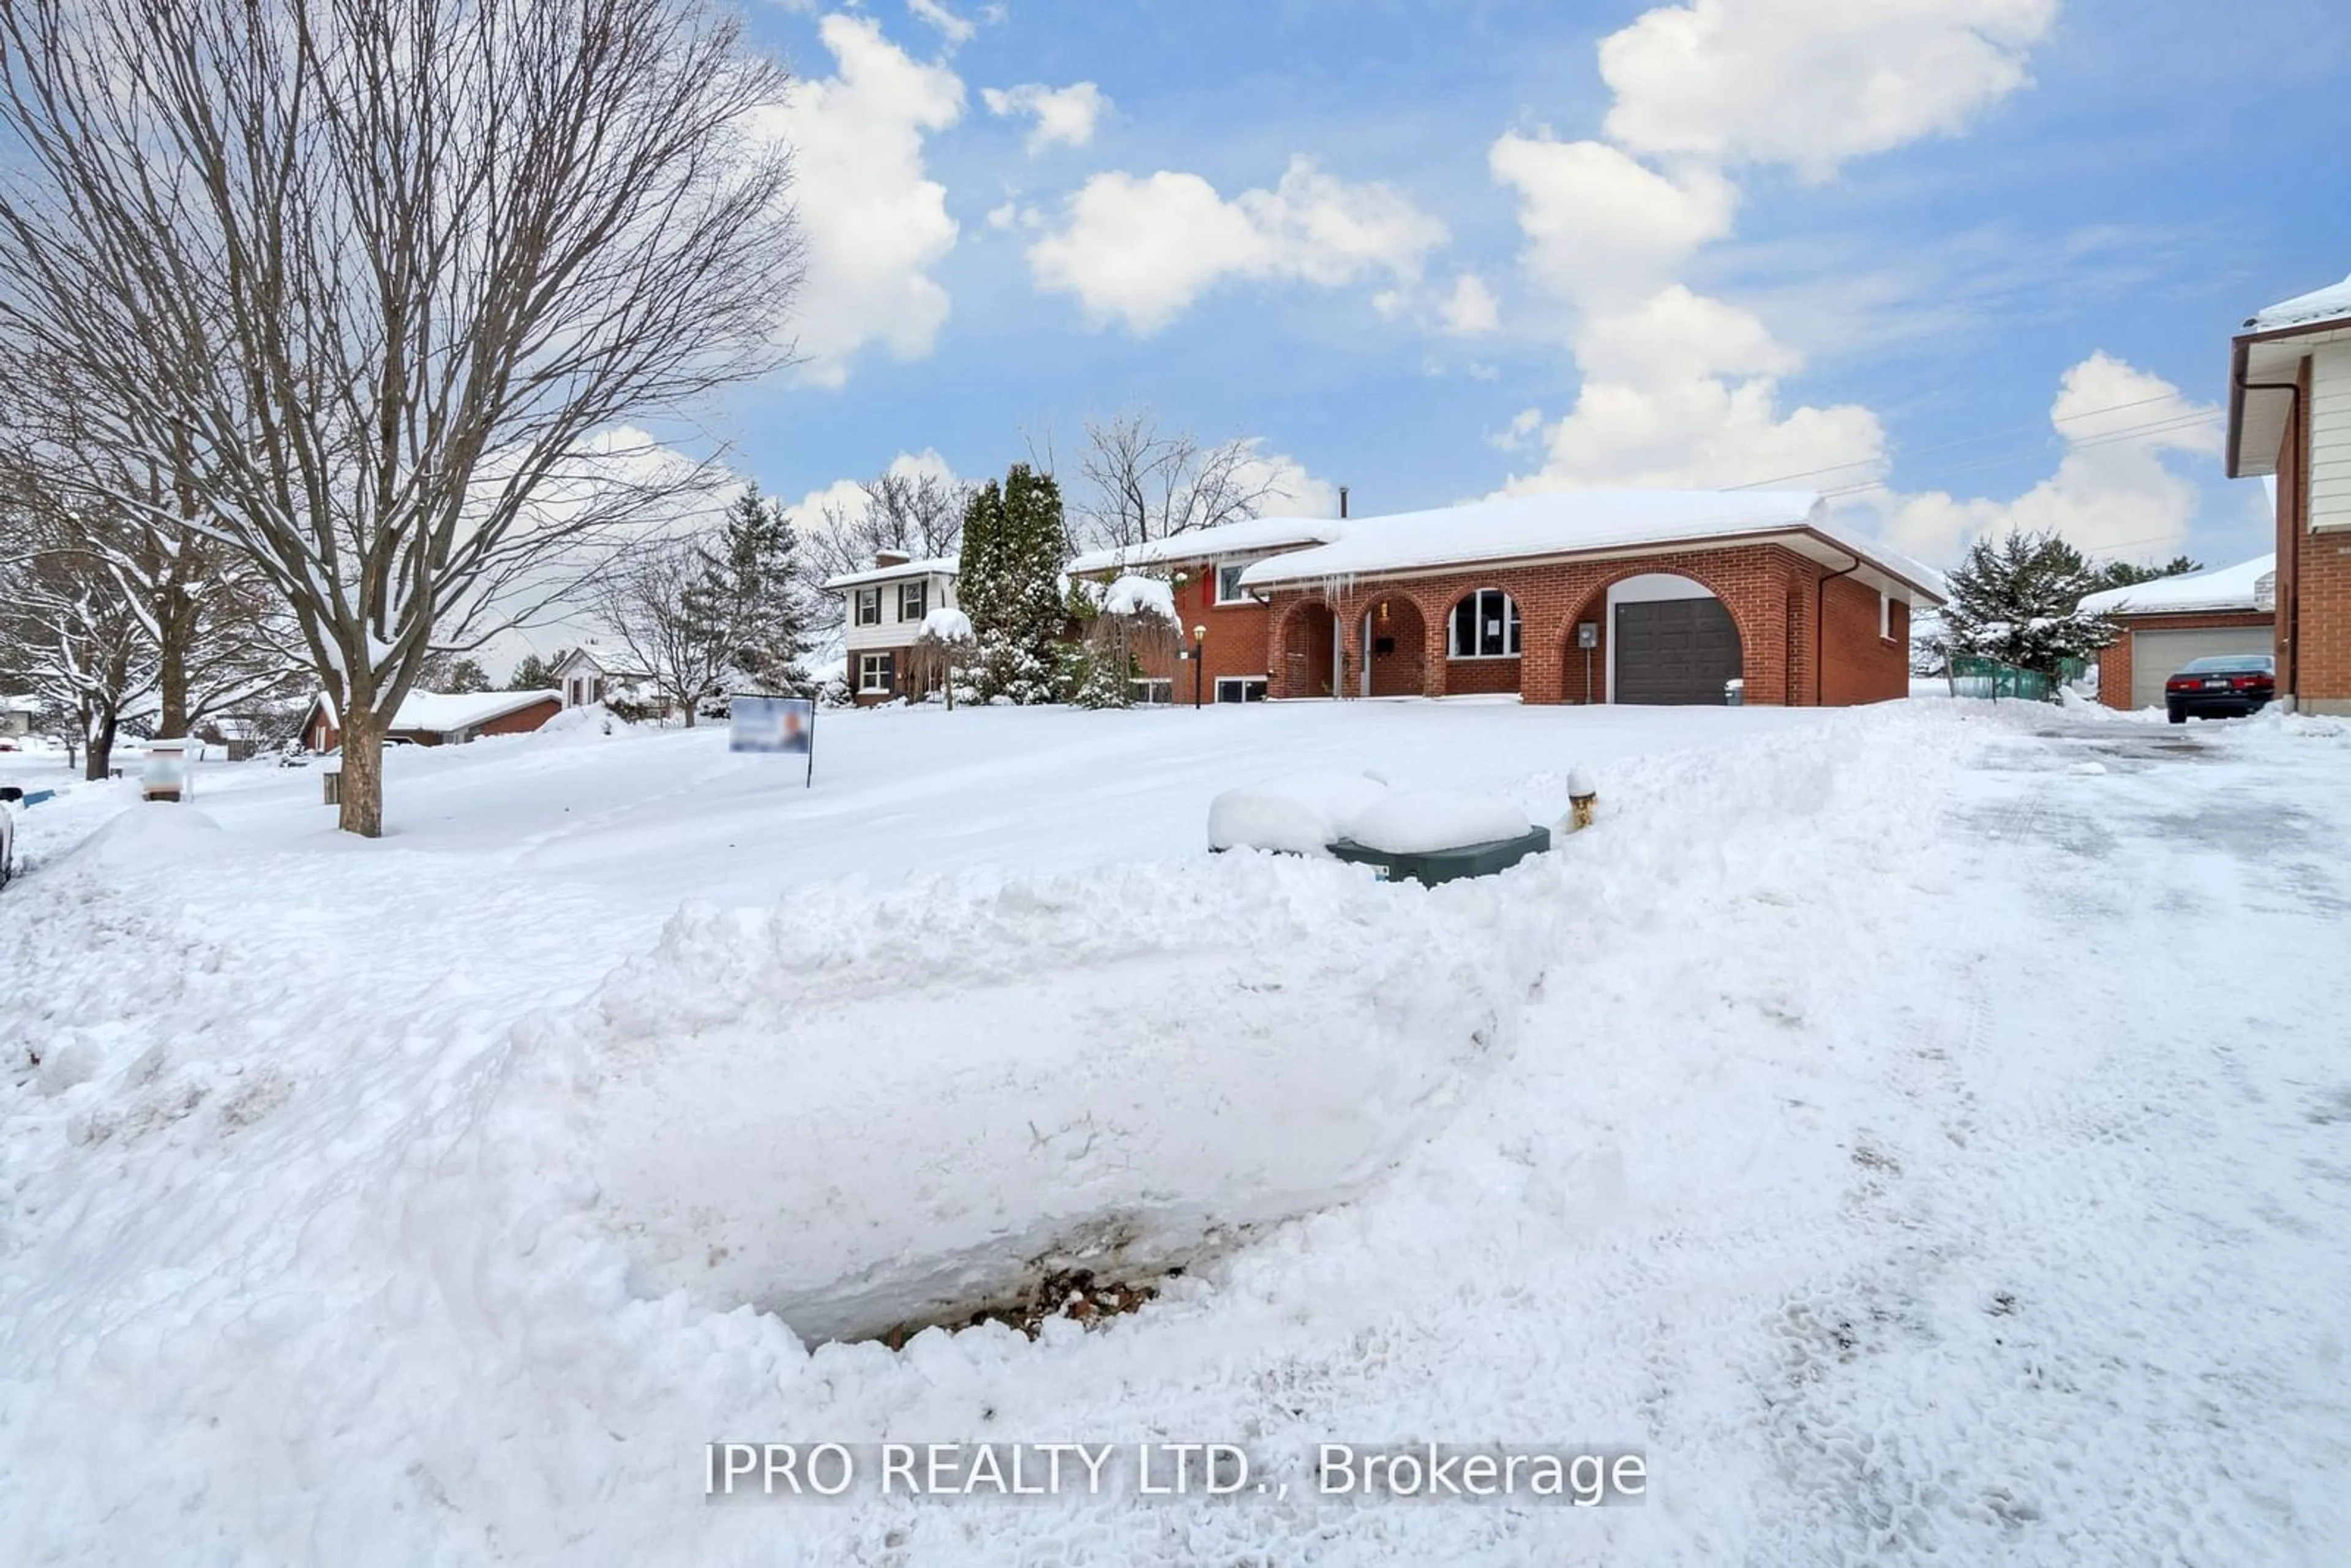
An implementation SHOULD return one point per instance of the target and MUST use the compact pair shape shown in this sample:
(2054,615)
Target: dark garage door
(1675,651)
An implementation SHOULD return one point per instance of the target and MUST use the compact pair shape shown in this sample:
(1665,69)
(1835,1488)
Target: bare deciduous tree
(917,514)
(657,605)
(383,281)
(1140,483)
(71,634)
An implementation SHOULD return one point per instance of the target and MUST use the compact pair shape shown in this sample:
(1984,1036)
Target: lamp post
(1200,663)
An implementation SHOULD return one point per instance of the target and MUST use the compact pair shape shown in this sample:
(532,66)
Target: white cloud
(1471,308)
(1601,226)
(1516,435)
(1679,389)
(1676,335)
(1141,250)
(874,224)
(1064,115)
(1706,433)
(2113,494)
(1812,83)
(847,496)
(955,29)
(1301,494)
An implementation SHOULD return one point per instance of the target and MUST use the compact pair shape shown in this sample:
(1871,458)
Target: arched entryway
(1395,649)
(1306,651)
(1664,640)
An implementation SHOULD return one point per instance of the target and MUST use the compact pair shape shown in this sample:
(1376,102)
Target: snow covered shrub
(2019,600)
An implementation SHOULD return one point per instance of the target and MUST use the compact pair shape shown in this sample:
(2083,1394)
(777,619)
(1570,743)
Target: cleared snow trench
(863,1112)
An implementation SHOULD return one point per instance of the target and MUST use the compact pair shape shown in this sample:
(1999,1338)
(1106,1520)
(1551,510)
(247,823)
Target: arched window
(1486,626)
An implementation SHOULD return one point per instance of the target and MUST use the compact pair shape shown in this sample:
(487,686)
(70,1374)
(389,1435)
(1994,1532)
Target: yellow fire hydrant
(1582,800)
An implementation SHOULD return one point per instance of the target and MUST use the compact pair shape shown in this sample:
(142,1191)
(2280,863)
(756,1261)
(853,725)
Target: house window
(1886,616)
(1486,626)
(869,607)
(1228,583)
(1149,692)
(911,596)
(1240,689)
(876,674)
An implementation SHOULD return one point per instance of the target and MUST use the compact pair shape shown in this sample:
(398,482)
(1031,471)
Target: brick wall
(1768,588)
(2314,581)
(1857,666)
(1239,635)
(2114,672)
(523,721)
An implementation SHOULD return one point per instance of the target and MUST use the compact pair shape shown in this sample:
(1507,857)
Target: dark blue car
(2227,686)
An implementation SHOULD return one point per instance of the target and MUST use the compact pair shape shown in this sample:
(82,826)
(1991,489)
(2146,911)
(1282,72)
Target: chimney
(1343,500)
(888,557)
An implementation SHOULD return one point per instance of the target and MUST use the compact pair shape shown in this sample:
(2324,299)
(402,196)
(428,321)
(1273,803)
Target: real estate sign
(786,725)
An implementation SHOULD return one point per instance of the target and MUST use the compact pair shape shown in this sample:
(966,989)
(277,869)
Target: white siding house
(882,611)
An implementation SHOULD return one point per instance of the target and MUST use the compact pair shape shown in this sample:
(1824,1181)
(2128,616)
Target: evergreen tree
(2128,574)
(2019,600)
(534,673)
(977,568)
(1010,584)
(446,671)
(750,600)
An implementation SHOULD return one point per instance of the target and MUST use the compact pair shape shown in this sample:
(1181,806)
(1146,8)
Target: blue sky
(1711,244)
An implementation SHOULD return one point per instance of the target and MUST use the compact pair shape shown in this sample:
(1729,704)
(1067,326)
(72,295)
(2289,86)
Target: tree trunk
(362,804)
(99,757)
(172,680)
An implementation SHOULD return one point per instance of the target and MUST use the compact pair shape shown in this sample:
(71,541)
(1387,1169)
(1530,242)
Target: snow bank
(1427,820)
(1302,813)
(856,1112)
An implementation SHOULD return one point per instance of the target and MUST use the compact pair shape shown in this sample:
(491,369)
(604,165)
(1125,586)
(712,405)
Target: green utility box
(1430,867)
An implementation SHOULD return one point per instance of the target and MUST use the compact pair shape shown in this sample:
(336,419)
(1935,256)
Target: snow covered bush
(2018,600)
(1124,630)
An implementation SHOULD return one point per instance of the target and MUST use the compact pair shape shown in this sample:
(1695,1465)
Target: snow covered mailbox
(164,776)
(1428,836)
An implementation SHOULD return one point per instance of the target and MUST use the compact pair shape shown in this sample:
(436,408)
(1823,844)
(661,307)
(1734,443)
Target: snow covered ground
(1925,1130)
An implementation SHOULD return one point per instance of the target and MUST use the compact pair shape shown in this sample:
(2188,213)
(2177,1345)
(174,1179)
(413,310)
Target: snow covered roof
(20,704)
(941,566)
(2238,587)
(607,661)
(1244,538)
(441,712)
(2332,303)
(1573,522)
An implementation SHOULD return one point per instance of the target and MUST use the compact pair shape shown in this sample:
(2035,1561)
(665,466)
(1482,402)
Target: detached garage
(2166,622)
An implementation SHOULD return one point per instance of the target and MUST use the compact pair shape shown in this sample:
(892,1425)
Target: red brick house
(2290,419)
(439,719)
(1230,627)
(2172,619)
(1598,596)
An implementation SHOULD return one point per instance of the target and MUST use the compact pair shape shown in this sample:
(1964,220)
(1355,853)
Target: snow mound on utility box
(1417,823)
(1300,814)
(858,1111)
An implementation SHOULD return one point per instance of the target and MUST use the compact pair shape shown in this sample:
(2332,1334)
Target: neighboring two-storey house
(2290,418)
(883,609)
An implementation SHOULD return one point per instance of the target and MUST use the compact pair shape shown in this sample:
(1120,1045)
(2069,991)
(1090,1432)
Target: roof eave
(1606,552)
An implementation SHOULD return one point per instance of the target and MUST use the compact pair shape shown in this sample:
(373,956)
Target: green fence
(1975,677)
